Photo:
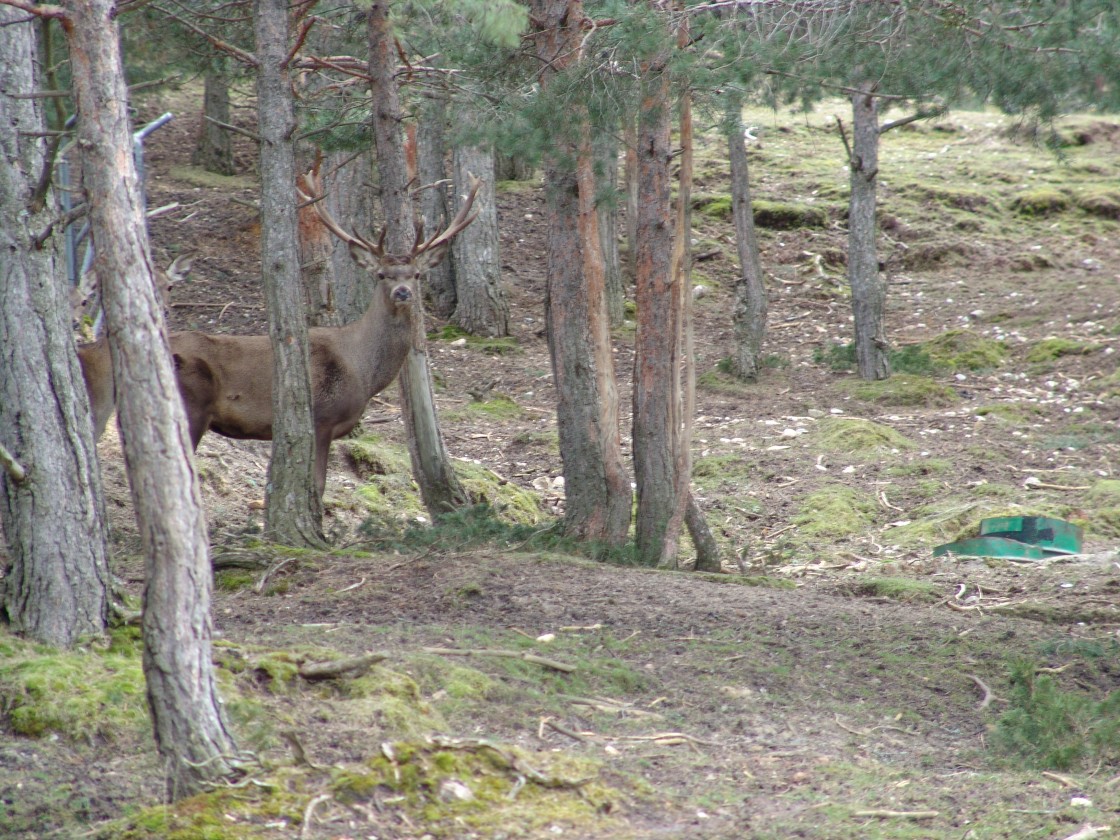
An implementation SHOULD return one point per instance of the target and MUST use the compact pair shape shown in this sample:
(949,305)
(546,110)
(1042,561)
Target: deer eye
(381,275)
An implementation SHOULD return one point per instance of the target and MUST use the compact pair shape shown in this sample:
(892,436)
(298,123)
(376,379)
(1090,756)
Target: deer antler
(310,189)
(463,218)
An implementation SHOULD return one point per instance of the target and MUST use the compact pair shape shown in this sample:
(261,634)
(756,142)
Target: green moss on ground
(835,511)
(965,350)
(904,390)
(94,692)
(1050,349)
(1041,201)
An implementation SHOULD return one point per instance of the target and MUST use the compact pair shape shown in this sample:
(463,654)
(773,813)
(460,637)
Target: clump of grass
(714,206)
(1105,205)
(856,436)
(1056,729)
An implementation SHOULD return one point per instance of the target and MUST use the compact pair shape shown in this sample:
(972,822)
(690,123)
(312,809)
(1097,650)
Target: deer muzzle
(401,293)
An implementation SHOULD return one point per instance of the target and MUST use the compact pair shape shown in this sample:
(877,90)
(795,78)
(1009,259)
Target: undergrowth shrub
(1057,729)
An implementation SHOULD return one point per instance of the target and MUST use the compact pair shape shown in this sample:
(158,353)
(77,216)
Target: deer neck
(383,337)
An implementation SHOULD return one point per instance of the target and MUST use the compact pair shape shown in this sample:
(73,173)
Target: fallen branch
(350,667)
(1089,832)
(1062,780)
(507,654)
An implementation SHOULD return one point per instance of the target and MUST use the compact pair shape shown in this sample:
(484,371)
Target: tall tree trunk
(657,407)
(606,170)
(316,246)
(57,588)
(214,149)
(748,312)
(869,291)
(596,484)
(431,164)
(187,715)
(294,511)
(482,307)
(431,466)
(348,181)
(630,139)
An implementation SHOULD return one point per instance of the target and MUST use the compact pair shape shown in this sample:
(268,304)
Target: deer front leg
(322,451)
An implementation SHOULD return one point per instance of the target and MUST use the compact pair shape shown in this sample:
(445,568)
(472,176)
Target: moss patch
(904,390)
(1050,349)
(835,511)
(907,590)
(783,216)
(1043,201)
(965,350)
(95,692)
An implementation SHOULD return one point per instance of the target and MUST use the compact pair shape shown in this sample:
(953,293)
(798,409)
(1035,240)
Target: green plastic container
(1054,536)
(991,547)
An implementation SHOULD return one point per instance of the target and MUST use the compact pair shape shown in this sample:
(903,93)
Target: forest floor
(838,681)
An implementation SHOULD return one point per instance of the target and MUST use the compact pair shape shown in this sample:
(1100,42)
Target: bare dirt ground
(842,692)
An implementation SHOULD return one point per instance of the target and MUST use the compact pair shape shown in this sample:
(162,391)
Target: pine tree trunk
(316,245)
(214,148)
(657,346)
(57,587)
(597,487)
(431,164)
(431,465)
(606,155)
(190,732)
(748,313)
(294,511)
(482,307)
(869,291)
(347,181)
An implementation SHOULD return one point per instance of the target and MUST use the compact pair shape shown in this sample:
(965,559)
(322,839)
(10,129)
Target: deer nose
(401,293)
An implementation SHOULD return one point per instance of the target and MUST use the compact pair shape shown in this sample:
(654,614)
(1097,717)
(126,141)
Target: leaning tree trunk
(748,312)
(57,587)
(431,467)
(294,511)
(597,488)
(869,291)
(214,148)
(482,307)
(187,715)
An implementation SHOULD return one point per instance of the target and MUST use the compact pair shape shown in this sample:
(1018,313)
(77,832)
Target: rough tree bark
(348,182)
(597,488)
(869,291)
(482,307)
(190,731)
(294,511)
(657,347)
(606,168)
(431,466)
(431,166)
(56,589)
(214,147)
(748,313)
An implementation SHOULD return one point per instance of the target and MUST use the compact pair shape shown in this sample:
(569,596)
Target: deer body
(225,381)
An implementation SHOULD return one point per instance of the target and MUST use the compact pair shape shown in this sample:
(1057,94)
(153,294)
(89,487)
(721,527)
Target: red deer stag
(226,380)
(97,370)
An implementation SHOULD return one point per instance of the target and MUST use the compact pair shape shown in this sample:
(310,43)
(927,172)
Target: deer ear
(363,257)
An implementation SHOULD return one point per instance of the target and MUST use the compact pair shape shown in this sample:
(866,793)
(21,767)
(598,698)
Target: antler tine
(314,194)
(463,218)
